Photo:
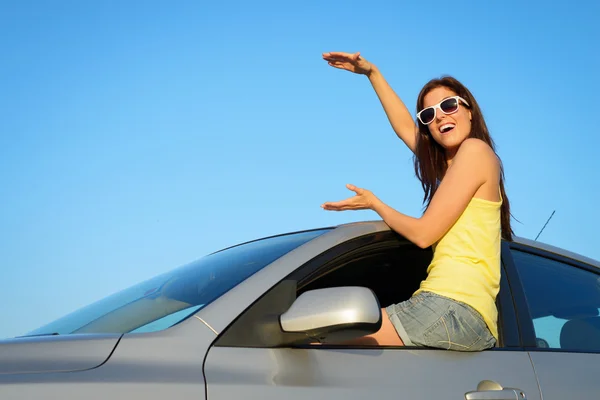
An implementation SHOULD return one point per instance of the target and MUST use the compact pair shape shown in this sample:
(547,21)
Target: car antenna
(551,215)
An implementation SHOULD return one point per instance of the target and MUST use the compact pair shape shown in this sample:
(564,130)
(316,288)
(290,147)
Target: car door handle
(503,394)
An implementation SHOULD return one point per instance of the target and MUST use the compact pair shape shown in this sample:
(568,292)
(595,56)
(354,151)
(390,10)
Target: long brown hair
(430,160)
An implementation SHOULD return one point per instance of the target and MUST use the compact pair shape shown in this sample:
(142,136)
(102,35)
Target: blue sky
(137,136)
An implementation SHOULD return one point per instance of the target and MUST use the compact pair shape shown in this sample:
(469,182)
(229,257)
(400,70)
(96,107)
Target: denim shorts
(430,320)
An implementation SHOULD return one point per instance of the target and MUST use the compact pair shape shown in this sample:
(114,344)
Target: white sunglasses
(447,106)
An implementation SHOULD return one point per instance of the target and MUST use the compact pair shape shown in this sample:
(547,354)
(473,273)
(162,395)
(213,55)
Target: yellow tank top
(466,261)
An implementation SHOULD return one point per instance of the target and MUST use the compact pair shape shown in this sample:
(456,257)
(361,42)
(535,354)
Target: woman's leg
(385,336)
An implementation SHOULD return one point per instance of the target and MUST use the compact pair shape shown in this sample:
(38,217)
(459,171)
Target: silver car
(257,321)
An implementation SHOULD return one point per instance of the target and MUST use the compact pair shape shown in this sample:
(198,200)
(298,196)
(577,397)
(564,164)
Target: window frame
(508,322)
(524,319)
(507,317)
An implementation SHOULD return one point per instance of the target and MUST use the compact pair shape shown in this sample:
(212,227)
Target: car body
(257,320)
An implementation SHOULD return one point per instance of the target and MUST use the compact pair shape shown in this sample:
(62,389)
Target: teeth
(446,127)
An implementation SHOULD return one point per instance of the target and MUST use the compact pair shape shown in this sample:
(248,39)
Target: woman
(467,213)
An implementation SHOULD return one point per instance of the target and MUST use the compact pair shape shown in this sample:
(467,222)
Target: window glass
(563,300)
(167,299)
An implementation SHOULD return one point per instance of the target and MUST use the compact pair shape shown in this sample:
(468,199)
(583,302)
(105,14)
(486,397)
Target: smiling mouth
(446,128)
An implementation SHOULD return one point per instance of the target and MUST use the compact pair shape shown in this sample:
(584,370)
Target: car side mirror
(333,315)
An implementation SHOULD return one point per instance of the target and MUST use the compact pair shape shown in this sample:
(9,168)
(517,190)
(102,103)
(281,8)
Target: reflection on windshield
(169,298)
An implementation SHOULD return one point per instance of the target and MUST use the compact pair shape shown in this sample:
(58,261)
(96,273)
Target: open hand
(363,200)
(350,62)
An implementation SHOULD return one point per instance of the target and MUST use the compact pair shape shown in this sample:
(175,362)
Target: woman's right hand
(350,62)
(400,118)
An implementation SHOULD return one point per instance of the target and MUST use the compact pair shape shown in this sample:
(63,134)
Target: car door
(559,313)
(236,367)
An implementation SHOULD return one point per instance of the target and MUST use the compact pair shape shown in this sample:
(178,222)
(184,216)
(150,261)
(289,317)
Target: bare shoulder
(477,151)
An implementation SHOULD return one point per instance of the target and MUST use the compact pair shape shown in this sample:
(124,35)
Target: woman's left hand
(363,200)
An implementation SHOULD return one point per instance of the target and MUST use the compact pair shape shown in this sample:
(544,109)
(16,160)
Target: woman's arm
(395,110)
(474,164)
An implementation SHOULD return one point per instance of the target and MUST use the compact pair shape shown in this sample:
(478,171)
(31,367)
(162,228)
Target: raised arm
(397,113)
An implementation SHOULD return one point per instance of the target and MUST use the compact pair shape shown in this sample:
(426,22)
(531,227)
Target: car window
(563,301)
(391,267)
(167,299)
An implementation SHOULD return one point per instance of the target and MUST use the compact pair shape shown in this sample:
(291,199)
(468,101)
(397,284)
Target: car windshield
(169,298)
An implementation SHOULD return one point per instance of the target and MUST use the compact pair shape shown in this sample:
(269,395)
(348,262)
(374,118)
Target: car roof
(373,226)
(557,250)
(379,225)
